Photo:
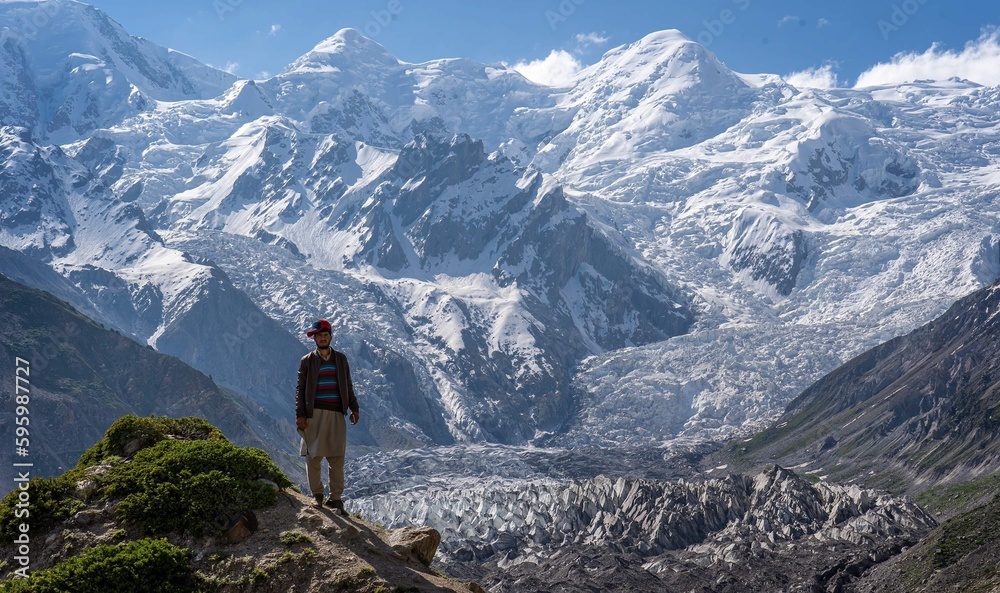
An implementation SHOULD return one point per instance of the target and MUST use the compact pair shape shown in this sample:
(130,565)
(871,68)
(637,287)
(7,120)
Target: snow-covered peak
(72,30)
(346,49)
(72,70)
(661,61)
(245,98)
(659,94)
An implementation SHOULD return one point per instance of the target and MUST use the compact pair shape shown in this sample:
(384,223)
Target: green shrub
(184,476)
(143,565)
(130,433)
(51,501)
(191,486)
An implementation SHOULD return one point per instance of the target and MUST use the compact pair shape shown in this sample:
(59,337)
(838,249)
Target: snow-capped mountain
(351,86)
(665,249)
(71,70)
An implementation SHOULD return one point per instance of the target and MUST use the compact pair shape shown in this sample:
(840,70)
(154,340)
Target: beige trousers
(325,436)
(314,469)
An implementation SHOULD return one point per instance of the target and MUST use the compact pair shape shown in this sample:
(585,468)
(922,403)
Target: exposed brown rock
(421,542)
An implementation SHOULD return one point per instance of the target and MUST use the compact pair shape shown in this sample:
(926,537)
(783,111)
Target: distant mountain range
(665,250)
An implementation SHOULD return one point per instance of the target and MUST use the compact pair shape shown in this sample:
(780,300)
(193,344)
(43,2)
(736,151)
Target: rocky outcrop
(844,161)
(417,542)
(766,250)
(84,525)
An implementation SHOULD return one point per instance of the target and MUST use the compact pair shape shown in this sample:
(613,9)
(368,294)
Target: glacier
(554,291)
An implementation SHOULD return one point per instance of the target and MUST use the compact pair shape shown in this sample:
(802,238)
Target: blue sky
(824,42)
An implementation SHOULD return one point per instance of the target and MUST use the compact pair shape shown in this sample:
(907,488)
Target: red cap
(320,326)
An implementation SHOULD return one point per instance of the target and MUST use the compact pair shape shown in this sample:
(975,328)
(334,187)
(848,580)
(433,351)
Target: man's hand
(301,422)
(354,417)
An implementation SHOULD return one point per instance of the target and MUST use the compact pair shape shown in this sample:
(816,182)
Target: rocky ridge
(295,548)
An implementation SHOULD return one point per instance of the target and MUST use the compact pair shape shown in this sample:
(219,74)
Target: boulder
(86,488)
(420,542)
(241,527)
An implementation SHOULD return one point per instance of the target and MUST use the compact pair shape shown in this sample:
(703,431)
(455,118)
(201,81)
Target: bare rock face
(419,542)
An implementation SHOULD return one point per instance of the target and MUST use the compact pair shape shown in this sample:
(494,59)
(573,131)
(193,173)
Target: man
(323,397)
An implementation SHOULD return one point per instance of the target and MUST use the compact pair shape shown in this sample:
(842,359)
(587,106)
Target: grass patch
(294,537)
(182,475)
(959,497)
(152,565)
(130,434)
(967,532)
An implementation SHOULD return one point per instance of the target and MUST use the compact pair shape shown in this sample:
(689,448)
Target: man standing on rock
(323,396)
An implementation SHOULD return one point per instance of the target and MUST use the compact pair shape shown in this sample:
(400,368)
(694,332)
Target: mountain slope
(959,554)
(918,410)
(83,377)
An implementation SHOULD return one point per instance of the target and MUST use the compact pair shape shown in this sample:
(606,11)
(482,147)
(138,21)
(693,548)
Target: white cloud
(789,20)
(262,75)
(979,61)
(231,67)
(822,77)
(559,68)
(274,30)
(587,39)
(822,23)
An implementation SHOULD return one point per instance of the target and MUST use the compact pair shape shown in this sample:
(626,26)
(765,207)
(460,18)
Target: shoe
(336,504)
(319,499)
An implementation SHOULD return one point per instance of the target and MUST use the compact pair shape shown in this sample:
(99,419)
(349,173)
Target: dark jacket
(305,391)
